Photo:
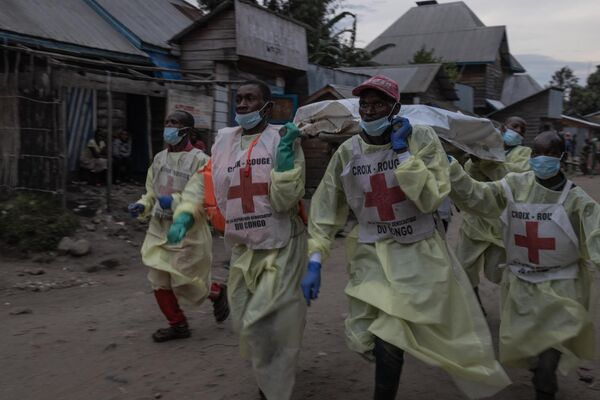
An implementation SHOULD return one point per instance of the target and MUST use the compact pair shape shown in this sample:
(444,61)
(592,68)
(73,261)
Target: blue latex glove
(401,130)
(285,149)
(135,209)
(165,202)
(182,223)
(311,283)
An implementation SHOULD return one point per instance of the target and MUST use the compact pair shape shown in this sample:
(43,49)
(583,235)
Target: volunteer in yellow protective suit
(551,231)
(177,247)
(259,181)
(480,244)
(407,292)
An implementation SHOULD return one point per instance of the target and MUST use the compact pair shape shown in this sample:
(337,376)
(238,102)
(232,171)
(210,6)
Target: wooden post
(149,129)
(64,141)
(109,142)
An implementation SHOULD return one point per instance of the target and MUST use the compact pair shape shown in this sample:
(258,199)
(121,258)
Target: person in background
(197,141)
(121,154)
(178,245)
(584,157)
(93,159)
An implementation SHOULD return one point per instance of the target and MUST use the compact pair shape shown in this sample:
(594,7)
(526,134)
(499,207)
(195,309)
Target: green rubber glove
(182,223)
(285,149)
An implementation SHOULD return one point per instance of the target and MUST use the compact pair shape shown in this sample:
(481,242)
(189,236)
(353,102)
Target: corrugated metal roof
(153,21)
(344,91)
(435,18)
(518,87)
(464,46)
(414,78)
(319,77)
(69,21)
(452,30)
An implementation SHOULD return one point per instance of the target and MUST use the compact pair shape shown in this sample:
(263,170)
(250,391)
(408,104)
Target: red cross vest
(242,181)
(381,207)
(169,178)
(541,244)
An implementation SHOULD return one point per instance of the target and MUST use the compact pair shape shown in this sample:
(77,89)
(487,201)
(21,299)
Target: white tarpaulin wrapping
(476,136)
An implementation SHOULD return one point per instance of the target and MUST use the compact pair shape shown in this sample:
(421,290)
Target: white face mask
(378,126)
(250,120)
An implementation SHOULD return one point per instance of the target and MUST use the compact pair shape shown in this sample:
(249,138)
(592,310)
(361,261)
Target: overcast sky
(544,35)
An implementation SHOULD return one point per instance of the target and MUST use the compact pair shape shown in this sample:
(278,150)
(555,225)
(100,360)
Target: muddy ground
(79,328)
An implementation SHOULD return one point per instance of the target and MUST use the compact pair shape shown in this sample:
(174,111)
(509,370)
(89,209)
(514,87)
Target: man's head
(378,98)
(252,96)
(548,143)
(516,124)
(180,120)
(253,106)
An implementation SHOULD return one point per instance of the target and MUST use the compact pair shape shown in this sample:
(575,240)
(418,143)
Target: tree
(424,56)
(564,78)
(585,100)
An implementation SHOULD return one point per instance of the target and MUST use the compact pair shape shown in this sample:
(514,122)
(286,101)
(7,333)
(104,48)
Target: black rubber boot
(544,375)
(221,306)
(389,360)
(171,333)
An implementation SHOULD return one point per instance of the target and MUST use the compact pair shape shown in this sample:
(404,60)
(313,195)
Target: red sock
(170,307)
(215,291)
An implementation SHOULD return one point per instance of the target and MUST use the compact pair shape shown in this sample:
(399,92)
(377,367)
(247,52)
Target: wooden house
(456,35)
(239,41)
(70,67)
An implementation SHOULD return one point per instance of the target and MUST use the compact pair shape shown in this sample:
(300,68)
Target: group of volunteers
(527,226)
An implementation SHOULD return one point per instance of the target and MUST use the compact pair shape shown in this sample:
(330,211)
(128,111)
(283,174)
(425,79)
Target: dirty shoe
(172,332)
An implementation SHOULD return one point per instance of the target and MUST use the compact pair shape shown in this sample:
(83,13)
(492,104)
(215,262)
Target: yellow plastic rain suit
(183,267)
(414,296)
(551,314)
(480,244)
(267,307)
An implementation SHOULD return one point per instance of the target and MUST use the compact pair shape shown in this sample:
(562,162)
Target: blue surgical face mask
(251,119)
(545,167)
(512,138)
(171,136)
(378,126)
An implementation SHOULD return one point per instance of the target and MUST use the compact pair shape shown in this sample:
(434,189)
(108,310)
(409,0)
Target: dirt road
(79,328)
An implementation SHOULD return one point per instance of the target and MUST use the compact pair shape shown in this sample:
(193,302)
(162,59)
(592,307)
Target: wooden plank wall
(474,76)
(214,42)
(317,154)
(10,142)
(494,80)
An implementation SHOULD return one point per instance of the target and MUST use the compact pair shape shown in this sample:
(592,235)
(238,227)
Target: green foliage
(424,56)
(584,100)
(564,78)
(34,222)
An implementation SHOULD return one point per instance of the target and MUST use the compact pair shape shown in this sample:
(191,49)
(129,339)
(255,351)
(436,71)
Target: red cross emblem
(168,188)
(247,190)
(383,197)
(534,243)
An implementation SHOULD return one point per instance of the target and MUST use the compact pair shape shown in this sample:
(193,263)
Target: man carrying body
(406,291)
(480,245)
(551,231)
(259,180)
